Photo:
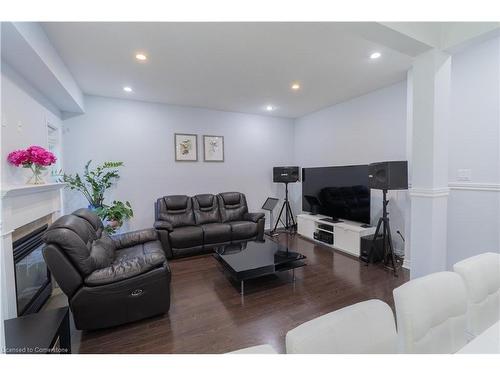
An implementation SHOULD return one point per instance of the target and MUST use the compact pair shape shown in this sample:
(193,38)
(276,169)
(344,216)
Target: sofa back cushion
(233,206)
(86,247)
(206,209)
(431,314)
(481,274)
(176,209)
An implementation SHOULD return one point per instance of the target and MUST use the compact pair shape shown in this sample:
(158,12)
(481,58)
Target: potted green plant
(94,182)
(115,214)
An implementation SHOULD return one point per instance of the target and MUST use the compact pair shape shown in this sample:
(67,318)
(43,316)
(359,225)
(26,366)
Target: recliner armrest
(134,238)
(253,216)
(165,225)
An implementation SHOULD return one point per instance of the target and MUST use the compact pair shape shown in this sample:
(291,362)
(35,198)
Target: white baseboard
(406,264)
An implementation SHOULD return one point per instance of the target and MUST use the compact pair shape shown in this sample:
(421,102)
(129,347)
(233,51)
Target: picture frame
(213,148)
(186,147)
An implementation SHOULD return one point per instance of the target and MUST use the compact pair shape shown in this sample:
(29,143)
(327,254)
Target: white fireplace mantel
(21,205)
(14,191)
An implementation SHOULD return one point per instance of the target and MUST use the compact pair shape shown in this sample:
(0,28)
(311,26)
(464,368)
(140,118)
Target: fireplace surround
(21,205)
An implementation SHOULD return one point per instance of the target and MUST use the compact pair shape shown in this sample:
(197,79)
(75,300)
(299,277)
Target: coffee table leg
(242,287)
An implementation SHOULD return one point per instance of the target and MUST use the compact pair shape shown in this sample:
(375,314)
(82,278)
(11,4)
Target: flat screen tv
(338,192)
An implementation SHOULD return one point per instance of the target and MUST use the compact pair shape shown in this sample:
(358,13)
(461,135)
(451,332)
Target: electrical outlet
(464,174)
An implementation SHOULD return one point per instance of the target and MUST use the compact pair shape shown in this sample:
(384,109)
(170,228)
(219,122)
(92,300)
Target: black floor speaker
(378,253)
(285,174)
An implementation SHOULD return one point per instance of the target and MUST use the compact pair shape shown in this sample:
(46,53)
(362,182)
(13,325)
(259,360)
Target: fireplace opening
(33,280)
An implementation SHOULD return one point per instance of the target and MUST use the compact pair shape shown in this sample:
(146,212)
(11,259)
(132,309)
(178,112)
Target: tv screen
(339,192)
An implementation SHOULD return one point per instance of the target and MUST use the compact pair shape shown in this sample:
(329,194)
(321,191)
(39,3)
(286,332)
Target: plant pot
(114,224)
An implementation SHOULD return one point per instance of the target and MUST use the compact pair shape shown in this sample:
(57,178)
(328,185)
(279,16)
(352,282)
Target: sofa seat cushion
(216,233)
(241,230)
(129,262)
(188,236)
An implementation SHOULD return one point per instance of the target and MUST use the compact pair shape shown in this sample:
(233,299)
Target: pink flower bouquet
(34,157)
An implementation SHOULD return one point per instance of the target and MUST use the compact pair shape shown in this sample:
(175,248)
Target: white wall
(363,130)
(474,214)
(142,136)
(25,113)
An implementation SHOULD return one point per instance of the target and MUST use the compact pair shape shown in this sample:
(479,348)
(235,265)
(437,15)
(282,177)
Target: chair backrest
(80,237)
(233,206)
(362,328)
(431,314)
(176,209)
(206,209)
(481,274)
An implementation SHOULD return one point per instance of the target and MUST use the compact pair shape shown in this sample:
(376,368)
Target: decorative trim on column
(477,186)
(429,192)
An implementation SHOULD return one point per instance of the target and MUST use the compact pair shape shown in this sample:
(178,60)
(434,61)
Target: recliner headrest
(231,198)
(90,216)
(74,235)
(205,200)
(176,202)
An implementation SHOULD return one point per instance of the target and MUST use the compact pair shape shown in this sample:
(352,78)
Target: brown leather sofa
(194,225)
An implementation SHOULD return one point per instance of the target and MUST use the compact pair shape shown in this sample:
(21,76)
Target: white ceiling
(238,67)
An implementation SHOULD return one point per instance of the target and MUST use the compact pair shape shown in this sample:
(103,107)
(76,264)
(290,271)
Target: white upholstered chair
(431,314)
(481,274)
(258,349)
(365,327)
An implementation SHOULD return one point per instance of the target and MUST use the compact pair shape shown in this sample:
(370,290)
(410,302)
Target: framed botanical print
(213,147)
(186,147)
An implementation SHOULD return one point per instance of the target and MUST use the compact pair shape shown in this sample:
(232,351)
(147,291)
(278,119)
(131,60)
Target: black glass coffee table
(249,260)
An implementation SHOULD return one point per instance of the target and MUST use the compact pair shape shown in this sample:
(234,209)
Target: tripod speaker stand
(386,175)
(289,222)
(384,229)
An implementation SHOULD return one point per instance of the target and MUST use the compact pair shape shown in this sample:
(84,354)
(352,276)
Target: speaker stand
(270,232)
(387,246)
(289,222)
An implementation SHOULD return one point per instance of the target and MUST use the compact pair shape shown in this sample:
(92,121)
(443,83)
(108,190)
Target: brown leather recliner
(193,225)
(109,280)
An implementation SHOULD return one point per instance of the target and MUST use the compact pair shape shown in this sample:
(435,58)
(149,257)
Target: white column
(409,138)
(431,76)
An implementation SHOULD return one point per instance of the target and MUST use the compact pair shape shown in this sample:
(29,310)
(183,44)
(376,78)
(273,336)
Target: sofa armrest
(162,224)
(253,216)
(134,238)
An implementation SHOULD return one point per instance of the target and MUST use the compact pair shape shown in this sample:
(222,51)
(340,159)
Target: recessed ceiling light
(375,55)
(141,57)
(295,86)
(127,89)
(269,108)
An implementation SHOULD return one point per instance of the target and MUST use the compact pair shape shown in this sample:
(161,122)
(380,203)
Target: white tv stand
(346,234)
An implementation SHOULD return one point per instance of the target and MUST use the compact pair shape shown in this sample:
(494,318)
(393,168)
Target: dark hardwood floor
(208,315)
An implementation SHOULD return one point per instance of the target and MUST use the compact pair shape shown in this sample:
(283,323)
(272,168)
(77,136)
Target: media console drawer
(346,234)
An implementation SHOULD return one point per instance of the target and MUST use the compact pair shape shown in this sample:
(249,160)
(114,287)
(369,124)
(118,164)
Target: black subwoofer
(388,175)
(378,250)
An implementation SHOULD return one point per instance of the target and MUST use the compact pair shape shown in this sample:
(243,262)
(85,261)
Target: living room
(250,187)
